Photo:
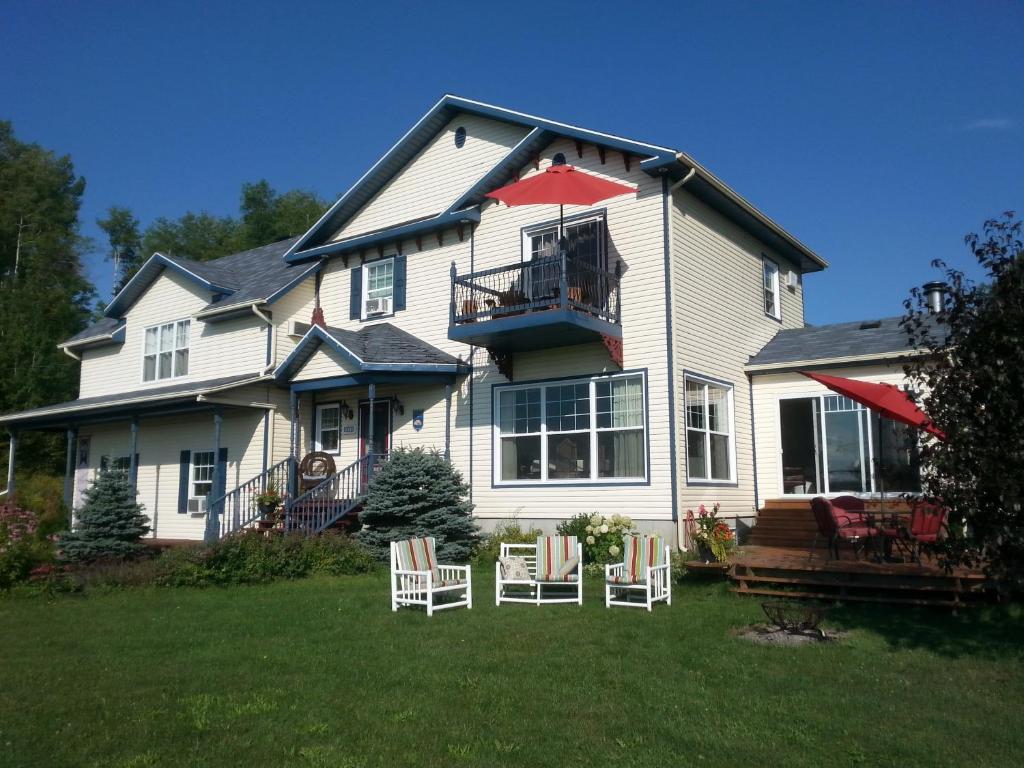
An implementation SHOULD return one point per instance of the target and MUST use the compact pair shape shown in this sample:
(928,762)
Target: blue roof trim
(362,379)
(447,219)
(423,132)
(313,269)
(147,274)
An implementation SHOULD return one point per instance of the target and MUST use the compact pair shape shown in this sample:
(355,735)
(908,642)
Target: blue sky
(878,133)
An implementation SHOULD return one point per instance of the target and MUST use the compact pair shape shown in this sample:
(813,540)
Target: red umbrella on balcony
(560,185)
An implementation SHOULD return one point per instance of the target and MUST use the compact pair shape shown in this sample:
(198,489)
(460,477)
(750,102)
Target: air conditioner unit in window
(197,507)
(792,279)
(378,307)
(296,328)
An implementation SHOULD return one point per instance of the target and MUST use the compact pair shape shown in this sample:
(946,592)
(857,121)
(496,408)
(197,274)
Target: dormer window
(165,353)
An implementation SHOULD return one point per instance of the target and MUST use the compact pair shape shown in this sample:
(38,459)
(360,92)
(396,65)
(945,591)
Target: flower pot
(266,508)
(704,553)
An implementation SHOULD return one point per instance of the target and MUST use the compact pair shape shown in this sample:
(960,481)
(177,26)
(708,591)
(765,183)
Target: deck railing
(555,282)
(240,507)
(332,499)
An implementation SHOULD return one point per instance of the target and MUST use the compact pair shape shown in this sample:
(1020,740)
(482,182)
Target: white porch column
(10,465)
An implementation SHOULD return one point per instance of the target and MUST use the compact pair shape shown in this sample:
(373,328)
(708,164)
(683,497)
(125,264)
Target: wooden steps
(788,572)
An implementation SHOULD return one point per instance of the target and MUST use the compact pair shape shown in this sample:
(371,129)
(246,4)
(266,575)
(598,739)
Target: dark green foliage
(109,525)
(23,545)
(44,296)
(418,493)
(509,532)
(975,384)
(236,560)
(264,217)
(122,229)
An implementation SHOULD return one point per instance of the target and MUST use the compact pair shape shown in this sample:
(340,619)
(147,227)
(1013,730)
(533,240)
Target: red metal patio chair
(836,526)
(849,510)
(926,524)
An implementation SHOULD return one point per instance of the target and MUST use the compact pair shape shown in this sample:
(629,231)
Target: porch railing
(240,507)
(321,506)
(556,282)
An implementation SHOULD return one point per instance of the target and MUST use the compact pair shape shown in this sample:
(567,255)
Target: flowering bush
(600,535)
(713,534)
(23,547)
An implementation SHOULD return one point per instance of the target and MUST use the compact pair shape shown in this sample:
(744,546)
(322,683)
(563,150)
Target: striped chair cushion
(418,555)
(639,552)
(556,558)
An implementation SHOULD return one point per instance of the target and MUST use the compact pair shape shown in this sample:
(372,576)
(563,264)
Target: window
(379,284)
(584,240)
(832,444)
(581,430)
(165,354)
(202,474)
(709,439)
(770,271)
(328,428)
(115,463)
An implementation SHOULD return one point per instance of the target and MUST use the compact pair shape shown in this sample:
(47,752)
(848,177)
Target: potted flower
(714,538)
(269,500)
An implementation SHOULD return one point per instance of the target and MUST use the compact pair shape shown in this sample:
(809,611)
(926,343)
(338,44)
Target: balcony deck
(551,302)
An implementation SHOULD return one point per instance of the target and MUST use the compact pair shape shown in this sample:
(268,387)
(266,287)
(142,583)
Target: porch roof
(378,348)
(123,403)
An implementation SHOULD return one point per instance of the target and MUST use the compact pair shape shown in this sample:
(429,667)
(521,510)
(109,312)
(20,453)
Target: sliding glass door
(832,444)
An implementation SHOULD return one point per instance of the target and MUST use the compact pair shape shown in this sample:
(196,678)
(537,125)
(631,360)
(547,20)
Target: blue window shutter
(399,283)
(183,479)
(222,473)
(356,296)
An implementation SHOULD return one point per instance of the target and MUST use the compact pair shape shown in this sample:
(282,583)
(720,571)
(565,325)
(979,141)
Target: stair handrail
(321,502)
(239,508)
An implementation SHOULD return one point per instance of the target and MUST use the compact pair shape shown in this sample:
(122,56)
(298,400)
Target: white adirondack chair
(645,570)
(416,578)
(552,561)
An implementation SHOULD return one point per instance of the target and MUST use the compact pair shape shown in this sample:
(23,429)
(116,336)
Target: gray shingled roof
(84,405)
(384,343)
(253,275)
(102,327)
(864,339)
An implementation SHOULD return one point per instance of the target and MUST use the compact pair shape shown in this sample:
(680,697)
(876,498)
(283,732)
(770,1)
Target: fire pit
(794,617)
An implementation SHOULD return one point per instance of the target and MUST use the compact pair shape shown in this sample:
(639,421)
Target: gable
(438,175)
(171,296)
(325,363)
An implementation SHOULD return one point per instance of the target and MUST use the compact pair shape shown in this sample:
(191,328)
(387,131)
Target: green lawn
(321,673)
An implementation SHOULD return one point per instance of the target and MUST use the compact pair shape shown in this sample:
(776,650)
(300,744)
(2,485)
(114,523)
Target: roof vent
(460,137)
(869,325)
(935,296)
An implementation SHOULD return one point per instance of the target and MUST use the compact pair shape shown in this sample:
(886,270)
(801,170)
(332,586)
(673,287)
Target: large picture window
(165,351)
(709,431)
(578,430)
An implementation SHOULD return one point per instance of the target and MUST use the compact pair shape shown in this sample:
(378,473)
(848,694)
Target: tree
(44,295)
(973,380)
(122,229)
(110,522)
(417,493)
(200,236)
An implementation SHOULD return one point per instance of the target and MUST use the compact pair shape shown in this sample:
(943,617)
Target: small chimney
(318,317)
(934,293)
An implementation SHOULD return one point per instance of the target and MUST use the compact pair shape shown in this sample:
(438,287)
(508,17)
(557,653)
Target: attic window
(868,325)
(558,159)
(460,137)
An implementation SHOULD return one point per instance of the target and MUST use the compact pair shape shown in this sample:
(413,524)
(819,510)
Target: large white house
(649,365)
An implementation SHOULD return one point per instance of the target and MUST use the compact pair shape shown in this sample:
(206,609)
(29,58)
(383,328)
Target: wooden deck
(774,562)
(789,572)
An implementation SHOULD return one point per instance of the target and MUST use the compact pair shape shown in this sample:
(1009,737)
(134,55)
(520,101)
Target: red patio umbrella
(560,185)
(886,399)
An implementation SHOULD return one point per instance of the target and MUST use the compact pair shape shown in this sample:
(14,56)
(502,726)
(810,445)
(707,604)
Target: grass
(319,673)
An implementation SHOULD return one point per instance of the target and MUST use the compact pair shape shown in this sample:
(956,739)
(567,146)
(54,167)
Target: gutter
(238,403)
(834,362)
(273,339)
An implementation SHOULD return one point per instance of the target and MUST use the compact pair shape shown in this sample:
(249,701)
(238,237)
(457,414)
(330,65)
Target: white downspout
(273,339)
(680,522)
(71,354)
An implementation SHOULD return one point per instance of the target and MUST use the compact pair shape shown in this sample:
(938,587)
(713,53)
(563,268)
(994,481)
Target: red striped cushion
(418,555)
(553,555)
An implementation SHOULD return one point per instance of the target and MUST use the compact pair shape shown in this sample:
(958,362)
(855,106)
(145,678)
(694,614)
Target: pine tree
(109,524)
(418,493)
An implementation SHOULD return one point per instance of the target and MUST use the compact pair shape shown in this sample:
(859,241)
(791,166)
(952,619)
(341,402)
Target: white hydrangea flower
(590,539)
(595,520)
(604,528)
(590,529)
(613,550)
(616,518)
(627,521)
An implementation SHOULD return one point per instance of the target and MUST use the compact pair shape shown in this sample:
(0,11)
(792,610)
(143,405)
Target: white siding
(161,441)
(215,349)
(324,364)
(718,323)
(438,175)
(769,388)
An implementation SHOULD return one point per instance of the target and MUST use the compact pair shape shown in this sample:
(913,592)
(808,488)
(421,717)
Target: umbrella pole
(561,225)
(879,460)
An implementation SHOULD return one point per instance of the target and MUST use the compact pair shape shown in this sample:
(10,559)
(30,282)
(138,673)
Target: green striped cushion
(556,558)
(418,555)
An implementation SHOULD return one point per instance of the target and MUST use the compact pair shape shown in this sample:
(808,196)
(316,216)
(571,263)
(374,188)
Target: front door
(381,444)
